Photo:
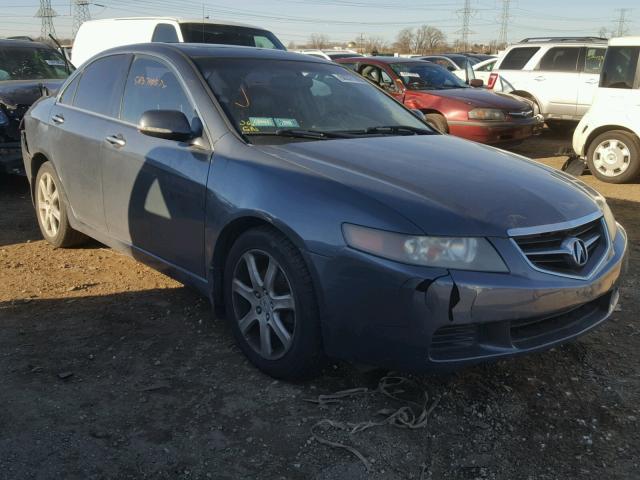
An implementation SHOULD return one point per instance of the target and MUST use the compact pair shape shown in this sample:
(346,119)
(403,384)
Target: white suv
(608,136)
(559,74)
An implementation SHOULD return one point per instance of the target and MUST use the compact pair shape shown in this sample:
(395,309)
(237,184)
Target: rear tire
(271,305)
(51,210)
(614,156)
(438,122)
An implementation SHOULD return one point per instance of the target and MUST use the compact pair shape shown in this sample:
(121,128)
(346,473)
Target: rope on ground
(403,417)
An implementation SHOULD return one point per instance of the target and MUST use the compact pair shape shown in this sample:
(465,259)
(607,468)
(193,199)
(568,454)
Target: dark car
(321,215)
(449,104)
(25,68)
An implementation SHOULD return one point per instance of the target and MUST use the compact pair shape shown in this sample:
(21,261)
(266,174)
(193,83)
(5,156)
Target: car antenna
(61,50)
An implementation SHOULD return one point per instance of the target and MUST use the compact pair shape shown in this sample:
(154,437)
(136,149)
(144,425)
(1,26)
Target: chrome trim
(594,270)
(553,227)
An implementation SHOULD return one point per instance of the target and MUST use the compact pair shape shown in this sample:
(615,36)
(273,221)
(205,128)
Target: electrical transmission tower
(504,22)
(466,13)
(622,22)
(46,14)
(81,14)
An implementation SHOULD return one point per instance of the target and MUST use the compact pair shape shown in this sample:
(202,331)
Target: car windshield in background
(425,76)
(620,67)
(229,35)
(28,63)
(306,99)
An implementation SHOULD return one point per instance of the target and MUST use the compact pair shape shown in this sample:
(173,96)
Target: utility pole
(46,14)
(622,22)
(466,14)
(504,23)
(81,14)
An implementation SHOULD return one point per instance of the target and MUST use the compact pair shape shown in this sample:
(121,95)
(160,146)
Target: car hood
(481,97)
(14,93)
(445,185)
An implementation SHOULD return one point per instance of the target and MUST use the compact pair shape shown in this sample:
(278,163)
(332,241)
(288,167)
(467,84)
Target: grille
(522,114)
(552,252)
(453,338)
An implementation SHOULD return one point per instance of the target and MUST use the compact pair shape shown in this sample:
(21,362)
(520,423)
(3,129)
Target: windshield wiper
(396,129)
(301,133)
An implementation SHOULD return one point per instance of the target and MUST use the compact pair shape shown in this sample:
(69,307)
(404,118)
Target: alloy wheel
(48,200)
(612,158)
(263,304)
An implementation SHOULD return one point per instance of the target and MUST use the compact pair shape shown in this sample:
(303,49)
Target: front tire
(614,156)
(271,305)
(51,210)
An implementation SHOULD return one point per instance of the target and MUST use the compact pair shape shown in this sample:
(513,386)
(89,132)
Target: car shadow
(550,143)
(18,222)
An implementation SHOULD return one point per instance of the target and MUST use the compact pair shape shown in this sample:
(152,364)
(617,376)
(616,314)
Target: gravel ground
(111,370)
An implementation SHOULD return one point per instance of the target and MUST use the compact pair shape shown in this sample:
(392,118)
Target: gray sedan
(320,215)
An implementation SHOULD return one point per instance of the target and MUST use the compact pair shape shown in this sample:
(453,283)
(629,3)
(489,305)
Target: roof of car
(213,21)
(22,43)
(217,51)
(625,42)
(382,59)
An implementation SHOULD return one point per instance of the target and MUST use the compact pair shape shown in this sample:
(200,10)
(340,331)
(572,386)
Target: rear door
(154,189)
(589,77)
(79,120)
(557,81)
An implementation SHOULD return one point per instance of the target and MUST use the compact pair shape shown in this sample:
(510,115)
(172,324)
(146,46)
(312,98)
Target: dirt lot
(110,370)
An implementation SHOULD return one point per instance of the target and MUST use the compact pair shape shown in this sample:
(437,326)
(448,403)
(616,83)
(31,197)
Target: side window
(443,62)
(487,68)
(386,79)
(620,68)
(517,58)
(560,59)
(100,87)
(67,96)
(594,59)
(165,33)
(151,85)
(371,73)
(261,41)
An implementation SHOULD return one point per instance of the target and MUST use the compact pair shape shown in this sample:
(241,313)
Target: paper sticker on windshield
(346,78)
(286,122)
(55,63)
(262,122)
(247,127)
(409,74)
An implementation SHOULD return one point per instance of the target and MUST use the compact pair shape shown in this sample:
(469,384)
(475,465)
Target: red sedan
(448,103)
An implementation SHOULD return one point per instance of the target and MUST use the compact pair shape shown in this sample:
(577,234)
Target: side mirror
(167,124)
(476,82)
(419,114)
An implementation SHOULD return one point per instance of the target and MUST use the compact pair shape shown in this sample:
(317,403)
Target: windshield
(229,35)
(426,76)
(29,63)
(265,97)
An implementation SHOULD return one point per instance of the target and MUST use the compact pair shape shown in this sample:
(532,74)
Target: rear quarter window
(518,57)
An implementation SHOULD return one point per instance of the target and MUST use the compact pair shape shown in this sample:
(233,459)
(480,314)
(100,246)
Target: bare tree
(318,41)
(375,44)
(292,45)
(422,40)
(404,41)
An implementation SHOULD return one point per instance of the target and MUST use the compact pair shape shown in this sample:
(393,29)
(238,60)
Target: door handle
(59,119)
(593,81)
(116,140)
(540,78)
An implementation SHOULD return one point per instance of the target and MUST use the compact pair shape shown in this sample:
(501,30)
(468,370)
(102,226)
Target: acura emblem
(577,250)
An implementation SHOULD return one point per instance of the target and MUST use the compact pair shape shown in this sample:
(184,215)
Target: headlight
(609,219)
(445,252)
(486,114)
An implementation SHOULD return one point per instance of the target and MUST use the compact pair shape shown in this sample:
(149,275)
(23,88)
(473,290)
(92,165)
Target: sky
(345,20)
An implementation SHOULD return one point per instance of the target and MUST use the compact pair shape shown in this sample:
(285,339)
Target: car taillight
(492,80)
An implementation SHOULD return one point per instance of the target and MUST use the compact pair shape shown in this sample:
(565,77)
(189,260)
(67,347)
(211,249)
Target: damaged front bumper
(414,318)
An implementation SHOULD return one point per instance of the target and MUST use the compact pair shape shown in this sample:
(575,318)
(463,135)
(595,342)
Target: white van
(99,35)
(608,136)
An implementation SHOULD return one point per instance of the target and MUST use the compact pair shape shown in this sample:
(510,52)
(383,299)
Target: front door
(154,189)
(589,78)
